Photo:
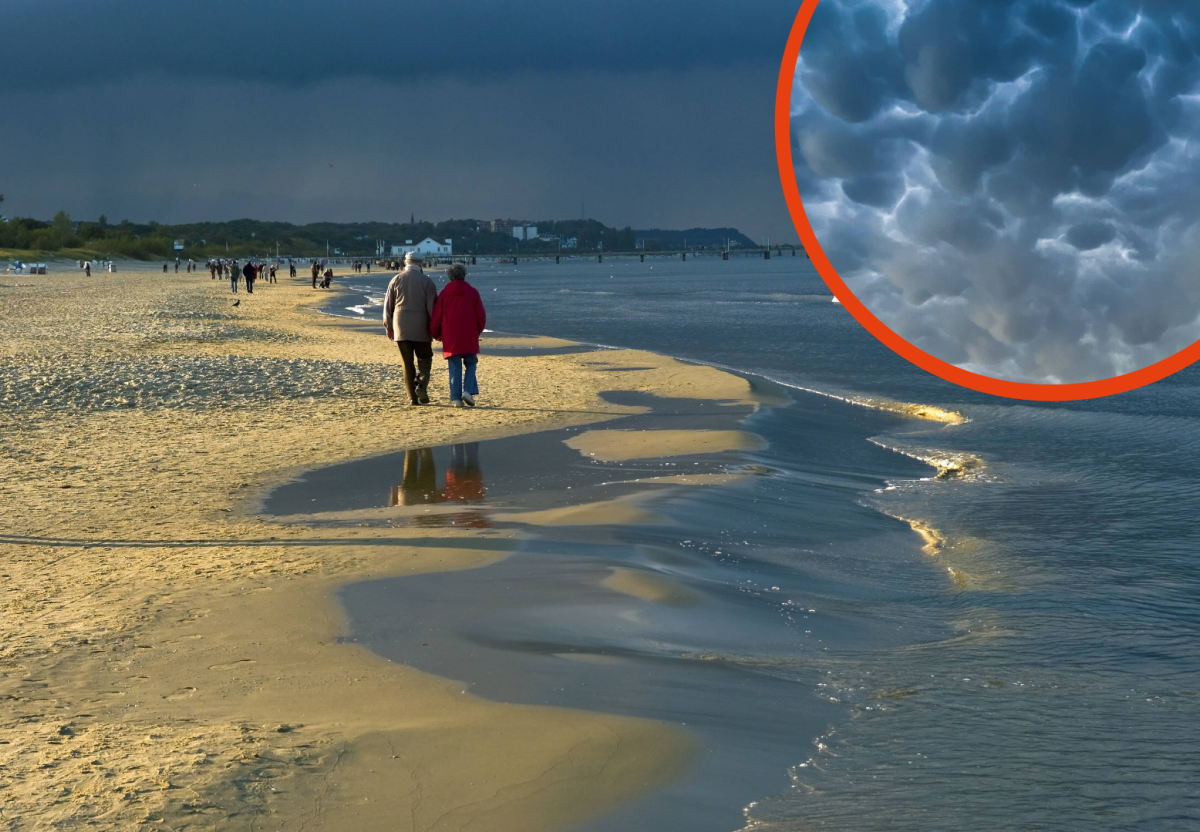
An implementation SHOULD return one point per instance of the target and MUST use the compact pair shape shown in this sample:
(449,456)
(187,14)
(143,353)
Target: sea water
(1036,666)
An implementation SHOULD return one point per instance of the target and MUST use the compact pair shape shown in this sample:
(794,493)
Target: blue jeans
(455,364)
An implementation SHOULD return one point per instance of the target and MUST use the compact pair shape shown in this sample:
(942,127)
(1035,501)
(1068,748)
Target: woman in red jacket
(458,321)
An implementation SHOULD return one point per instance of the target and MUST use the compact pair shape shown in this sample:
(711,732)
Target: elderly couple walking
(414,314)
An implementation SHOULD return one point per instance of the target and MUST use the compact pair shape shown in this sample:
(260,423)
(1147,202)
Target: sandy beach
(170,659)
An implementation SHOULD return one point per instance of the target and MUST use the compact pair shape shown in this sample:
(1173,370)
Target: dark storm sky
(656,113)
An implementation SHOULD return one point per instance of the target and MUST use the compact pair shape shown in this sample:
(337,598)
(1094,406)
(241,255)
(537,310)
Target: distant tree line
(63,235)
(249,238)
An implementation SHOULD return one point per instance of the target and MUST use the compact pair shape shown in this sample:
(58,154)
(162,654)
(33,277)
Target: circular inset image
(1007,194)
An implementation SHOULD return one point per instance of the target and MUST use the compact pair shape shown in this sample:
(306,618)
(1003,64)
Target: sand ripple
(201,382)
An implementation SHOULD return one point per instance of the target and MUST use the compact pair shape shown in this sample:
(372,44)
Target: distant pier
(600,256)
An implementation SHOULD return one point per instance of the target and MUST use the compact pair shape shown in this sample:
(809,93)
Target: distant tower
(412,219)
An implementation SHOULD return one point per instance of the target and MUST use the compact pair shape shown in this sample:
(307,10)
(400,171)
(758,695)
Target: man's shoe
(423,395)
(456,403)
(468,400)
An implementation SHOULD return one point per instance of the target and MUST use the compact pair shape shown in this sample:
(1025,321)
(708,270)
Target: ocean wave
(949,464)
(772,298)
(913,410)
(783,297)
(935,545)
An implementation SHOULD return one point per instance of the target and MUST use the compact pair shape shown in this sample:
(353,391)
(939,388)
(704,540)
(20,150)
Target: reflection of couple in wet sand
(464,478)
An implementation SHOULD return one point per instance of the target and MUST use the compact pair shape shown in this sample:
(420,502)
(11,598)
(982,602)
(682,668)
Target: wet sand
(171,659)
(697,599)
(616,445)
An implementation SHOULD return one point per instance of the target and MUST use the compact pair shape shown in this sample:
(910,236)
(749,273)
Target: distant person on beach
(458,321)
(87,269)
(164,268)
(292,267)
(328,278)
(250,273)
(315,271)
(407,308)
(233,276)
(271,275)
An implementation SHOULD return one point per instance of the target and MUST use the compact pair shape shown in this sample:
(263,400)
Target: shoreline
(913,410)
(639,592)
(135,688)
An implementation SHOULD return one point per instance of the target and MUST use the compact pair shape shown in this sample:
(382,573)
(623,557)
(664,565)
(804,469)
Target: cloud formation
(1011,185)
(654,114)
(396,41)
(635,147)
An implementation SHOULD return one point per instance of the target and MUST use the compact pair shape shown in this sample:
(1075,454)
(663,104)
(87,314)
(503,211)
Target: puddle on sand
(532,472)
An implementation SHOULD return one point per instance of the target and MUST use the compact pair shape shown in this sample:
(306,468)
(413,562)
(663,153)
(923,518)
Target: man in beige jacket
(406,313)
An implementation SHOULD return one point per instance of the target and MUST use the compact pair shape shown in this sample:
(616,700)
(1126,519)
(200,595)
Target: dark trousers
(416,378)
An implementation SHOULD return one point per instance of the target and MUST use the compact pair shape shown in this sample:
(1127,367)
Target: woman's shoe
(456,403)
(468,400)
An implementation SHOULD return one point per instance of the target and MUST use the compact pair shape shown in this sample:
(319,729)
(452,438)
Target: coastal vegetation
(99,239)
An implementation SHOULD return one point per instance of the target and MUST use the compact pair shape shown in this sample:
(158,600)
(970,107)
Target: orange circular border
(949,372)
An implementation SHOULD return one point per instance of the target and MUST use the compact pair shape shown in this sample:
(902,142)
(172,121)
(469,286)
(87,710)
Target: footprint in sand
(231,665)
(182,693)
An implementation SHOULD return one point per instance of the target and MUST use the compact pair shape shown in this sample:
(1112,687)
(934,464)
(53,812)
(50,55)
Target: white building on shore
(426,246)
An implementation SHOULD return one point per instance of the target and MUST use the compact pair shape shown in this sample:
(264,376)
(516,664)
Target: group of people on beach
(321,279)
(191,265)
(248,273)
(86,265)
(414,314)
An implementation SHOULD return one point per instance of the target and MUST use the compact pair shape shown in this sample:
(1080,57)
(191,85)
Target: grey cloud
(309,41)
(635,147)
(656,114)
(876,191)
(1091,235)
(1014,185)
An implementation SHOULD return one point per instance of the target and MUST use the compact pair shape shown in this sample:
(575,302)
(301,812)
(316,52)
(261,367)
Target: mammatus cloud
(1014,187)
